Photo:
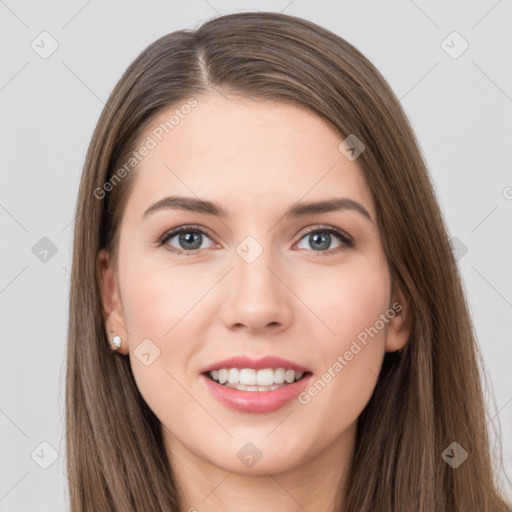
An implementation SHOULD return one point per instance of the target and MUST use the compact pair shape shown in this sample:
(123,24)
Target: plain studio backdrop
(449,63)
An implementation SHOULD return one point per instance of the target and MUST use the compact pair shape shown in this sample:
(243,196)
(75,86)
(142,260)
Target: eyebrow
(193,204)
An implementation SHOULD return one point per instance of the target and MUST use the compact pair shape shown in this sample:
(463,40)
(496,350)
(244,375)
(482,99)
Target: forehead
(244,154)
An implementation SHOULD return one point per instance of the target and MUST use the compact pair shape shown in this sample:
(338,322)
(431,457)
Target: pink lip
(256,364)
(256,401)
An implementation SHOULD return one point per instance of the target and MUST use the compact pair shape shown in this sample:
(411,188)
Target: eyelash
(347,241)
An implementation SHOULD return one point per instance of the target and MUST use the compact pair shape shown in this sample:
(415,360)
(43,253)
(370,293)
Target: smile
(249,385)
(249,379)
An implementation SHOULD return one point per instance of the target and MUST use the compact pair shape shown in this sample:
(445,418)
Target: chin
(258,457)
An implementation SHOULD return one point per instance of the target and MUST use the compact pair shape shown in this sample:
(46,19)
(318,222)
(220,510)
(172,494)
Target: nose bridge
(253,261)
(258,296)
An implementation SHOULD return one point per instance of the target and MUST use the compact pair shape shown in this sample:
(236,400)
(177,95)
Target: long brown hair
(424,401)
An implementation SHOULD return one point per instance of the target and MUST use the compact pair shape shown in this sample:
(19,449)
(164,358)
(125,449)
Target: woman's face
(260,283)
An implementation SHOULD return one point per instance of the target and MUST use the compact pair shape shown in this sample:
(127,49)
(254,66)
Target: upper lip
(257,364)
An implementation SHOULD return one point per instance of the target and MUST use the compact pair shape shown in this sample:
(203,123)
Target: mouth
(255,385)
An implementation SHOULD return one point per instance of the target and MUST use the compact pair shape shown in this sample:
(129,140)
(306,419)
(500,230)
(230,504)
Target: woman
(252,367)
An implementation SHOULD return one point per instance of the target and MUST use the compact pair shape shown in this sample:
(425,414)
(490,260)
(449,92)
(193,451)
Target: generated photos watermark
(343,360)
(151,142)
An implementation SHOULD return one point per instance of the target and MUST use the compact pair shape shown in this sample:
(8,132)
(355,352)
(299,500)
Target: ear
(400,325)
(111,302)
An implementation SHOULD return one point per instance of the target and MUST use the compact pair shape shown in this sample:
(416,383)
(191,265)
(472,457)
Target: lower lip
(256,401)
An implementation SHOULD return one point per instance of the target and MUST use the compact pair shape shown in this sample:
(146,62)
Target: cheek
(350,355)
(157,298)
(162,313)
(352,299)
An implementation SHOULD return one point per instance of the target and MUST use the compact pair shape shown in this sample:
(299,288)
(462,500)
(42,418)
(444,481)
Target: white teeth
(265,377)
(247,376)
(223,376)
(241,387)
(290,376)
(279,375)
(233,376)
(249,379)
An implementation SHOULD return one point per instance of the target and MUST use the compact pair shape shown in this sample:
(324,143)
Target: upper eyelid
(321,227)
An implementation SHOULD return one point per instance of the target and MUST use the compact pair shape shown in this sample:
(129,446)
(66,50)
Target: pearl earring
(115,342)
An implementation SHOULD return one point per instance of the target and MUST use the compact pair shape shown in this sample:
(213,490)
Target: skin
(293,301)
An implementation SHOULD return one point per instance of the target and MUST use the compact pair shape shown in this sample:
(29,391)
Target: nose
(257,295)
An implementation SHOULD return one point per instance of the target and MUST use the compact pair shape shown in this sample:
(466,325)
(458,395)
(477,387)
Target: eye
(320,239)
(188,238)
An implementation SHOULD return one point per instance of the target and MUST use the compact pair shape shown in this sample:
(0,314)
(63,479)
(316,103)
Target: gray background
(460,109)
